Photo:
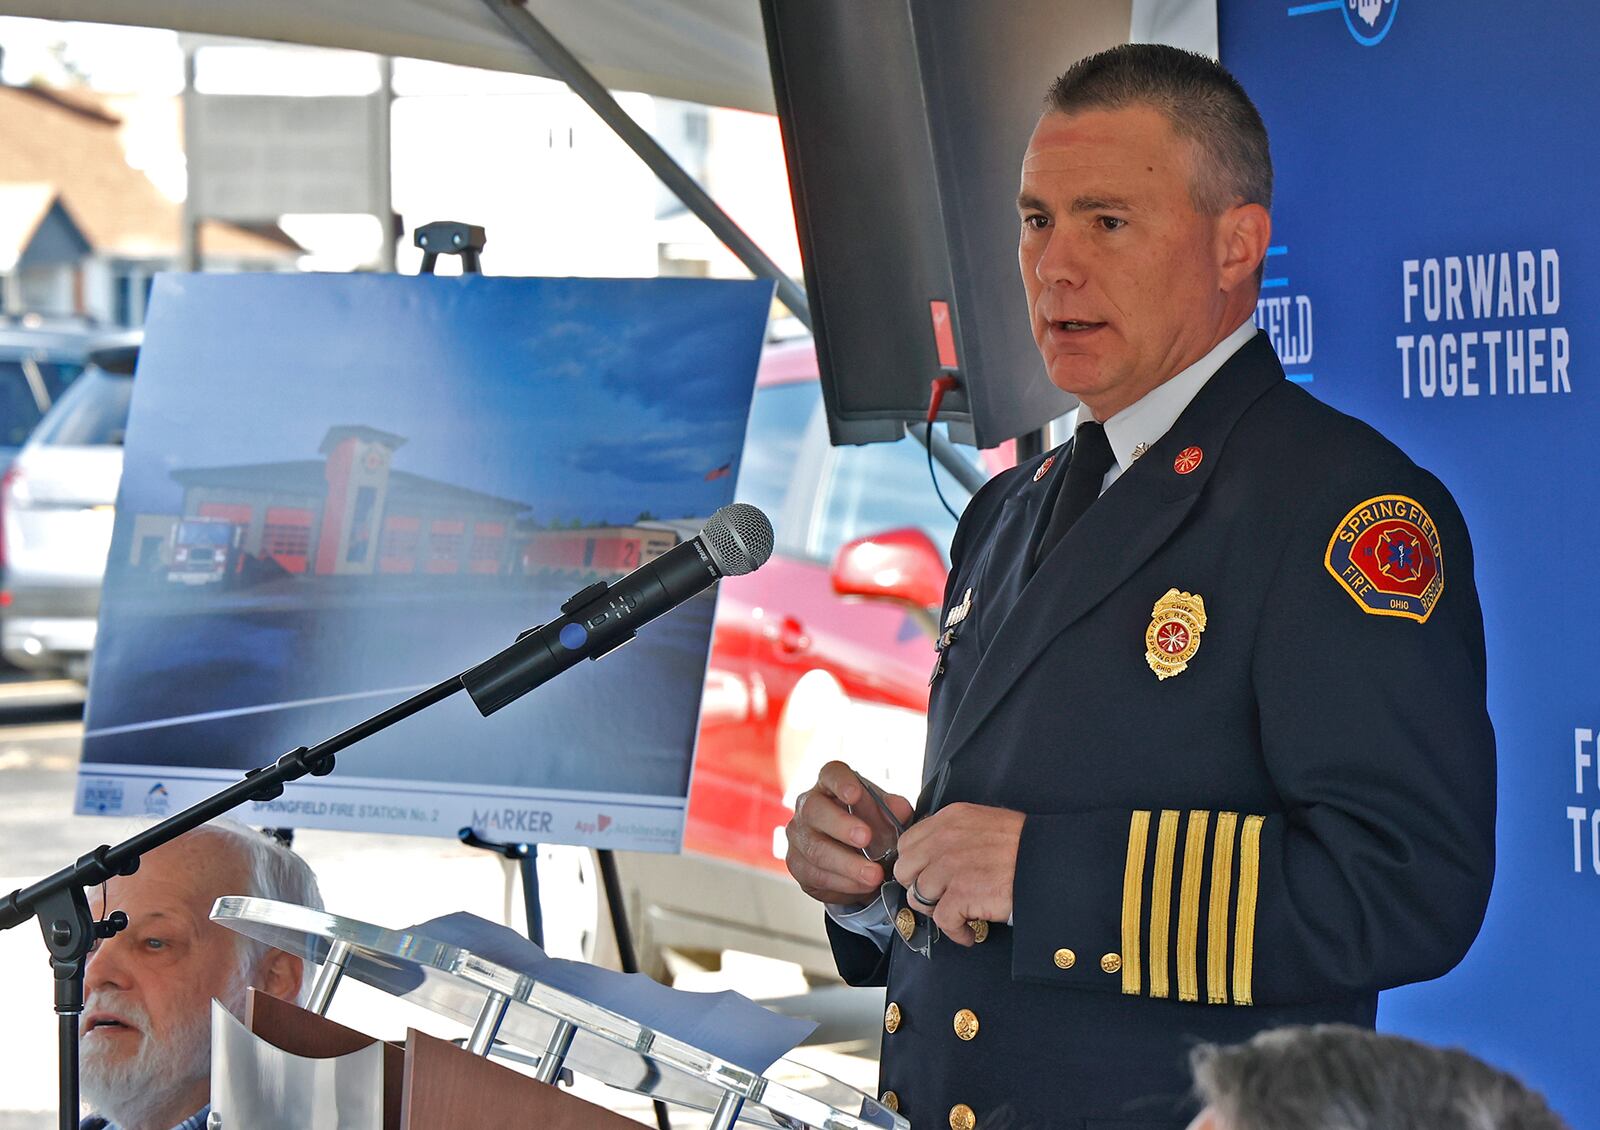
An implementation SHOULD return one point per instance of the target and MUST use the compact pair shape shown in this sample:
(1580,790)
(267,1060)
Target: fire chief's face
(1128,282)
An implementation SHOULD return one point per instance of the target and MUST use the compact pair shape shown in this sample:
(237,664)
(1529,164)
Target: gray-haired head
(272,871)
(1205,104)
(1336,1077)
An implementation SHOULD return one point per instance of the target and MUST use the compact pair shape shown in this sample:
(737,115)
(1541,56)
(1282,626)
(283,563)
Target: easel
(449,237)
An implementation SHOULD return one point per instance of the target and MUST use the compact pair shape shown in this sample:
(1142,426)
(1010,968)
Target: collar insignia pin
(1188,459)
(1139,449)
(1044,469)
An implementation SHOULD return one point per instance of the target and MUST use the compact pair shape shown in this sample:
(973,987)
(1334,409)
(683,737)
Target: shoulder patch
(1386,555)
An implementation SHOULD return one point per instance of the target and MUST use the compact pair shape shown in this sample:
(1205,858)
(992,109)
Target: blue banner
(339,490)
(1431,272)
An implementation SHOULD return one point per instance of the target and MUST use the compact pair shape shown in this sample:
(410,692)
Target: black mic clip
(576,600)
(585,595)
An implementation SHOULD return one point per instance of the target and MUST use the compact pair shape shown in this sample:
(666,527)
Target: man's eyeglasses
(916,929)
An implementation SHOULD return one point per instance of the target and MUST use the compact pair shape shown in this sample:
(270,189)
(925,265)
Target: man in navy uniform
(1208,750)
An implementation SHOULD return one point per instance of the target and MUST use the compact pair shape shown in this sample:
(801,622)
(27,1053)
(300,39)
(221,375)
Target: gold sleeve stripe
(1194,851)
(1161,903)
(1244,938)
(1217,918)
(1133,899)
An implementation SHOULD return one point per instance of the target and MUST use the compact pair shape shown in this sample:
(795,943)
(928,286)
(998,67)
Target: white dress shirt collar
(1138,426)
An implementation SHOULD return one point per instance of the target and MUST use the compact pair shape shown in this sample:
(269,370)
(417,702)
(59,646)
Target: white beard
(130,1091)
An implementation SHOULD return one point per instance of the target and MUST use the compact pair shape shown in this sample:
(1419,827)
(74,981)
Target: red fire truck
(205,551)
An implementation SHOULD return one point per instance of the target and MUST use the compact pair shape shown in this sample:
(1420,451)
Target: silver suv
(57,504)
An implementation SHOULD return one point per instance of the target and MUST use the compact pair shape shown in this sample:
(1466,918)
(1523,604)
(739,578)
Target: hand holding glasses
(916,929)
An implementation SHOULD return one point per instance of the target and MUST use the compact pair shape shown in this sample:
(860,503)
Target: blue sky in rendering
(593,399)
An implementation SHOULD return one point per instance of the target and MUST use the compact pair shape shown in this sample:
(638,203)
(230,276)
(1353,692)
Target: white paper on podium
(727,1025)
(255,1086)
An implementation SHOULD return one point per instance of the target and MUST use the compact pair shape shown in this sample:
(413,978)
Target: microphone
(737,539)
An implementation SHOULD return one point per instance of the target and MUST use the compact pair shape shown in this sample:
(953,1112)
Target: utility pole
(382,156)
(189,237)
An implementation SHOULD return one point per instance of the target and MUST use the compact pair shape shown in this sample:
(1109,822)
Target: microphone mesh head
(739,539)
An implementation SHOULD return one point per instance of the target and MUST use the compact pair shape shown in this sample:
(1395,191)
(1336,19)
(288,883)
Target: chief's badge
(1386,555)
(1173,636)
(960,611)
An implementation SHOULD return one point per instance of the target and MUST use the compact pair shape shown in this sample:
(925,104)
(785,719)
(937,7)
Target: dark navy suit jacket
(1302,816)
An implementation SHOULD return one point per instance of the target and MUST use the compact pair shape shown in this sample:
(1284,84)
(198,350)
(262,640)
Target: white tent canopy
(710,51)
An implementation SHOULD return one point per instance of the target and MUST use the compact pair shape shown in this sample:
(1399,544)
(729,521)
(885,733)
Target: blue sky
(584,398)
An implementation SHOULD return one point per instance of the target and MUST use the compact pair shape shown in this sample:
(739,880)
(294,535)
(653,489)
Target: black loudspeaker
(904,123)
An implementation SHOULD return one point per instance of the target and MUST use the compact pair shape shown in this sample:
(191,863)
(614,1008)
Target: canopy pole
(526,27)
(189,236)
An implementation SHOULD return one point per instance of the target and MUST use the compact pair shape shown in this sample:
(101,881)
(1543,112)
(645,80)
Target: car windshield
(93,413)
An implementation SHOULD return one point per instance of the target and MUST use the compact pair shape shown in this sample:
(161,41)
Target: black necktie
(1091,458)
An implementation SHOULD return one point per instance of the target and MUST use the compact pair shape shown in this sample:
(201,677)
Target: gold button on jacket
(980,930)
(1065,959)
(891,1018)
(966,1024)
(891,1101)
(905,922)
(1111,963)
(962,1118)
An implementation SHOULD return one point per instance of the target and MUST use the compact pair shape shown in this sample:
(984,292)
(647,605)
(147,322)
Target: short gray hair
(272,871)
(1337,1077)
(1205,104)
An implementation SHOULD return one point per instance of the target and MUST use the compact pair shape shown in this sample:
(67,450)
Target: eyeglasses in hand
(916,929)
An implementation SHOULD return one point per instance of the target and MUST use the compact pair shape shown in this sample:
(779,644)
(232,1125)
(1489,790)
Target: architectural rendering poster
(1432,272)
(340,490)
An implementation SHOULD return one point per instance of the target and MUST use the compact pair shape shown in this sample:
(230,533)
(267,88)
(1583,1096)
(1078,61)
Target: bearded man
(146,1028)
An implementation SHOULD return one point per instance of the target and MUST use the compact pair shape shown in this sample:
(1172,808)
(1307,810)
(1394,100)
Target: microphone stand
(62,907)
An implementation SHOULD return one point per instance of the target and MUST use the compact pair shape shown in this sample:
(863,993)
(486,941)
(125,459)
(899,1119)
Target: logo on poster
(511,820)
(1369,20)
(597,825)
(157,800)
(102,796)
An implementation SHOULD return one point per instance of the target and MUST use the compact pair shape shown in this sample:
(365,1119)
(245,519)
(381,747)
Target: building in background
(93,173)
(351,513)
(82,231)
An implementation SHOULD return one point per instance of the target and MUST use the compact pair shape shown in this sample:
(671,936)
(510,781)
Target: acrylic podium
(556,1030)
